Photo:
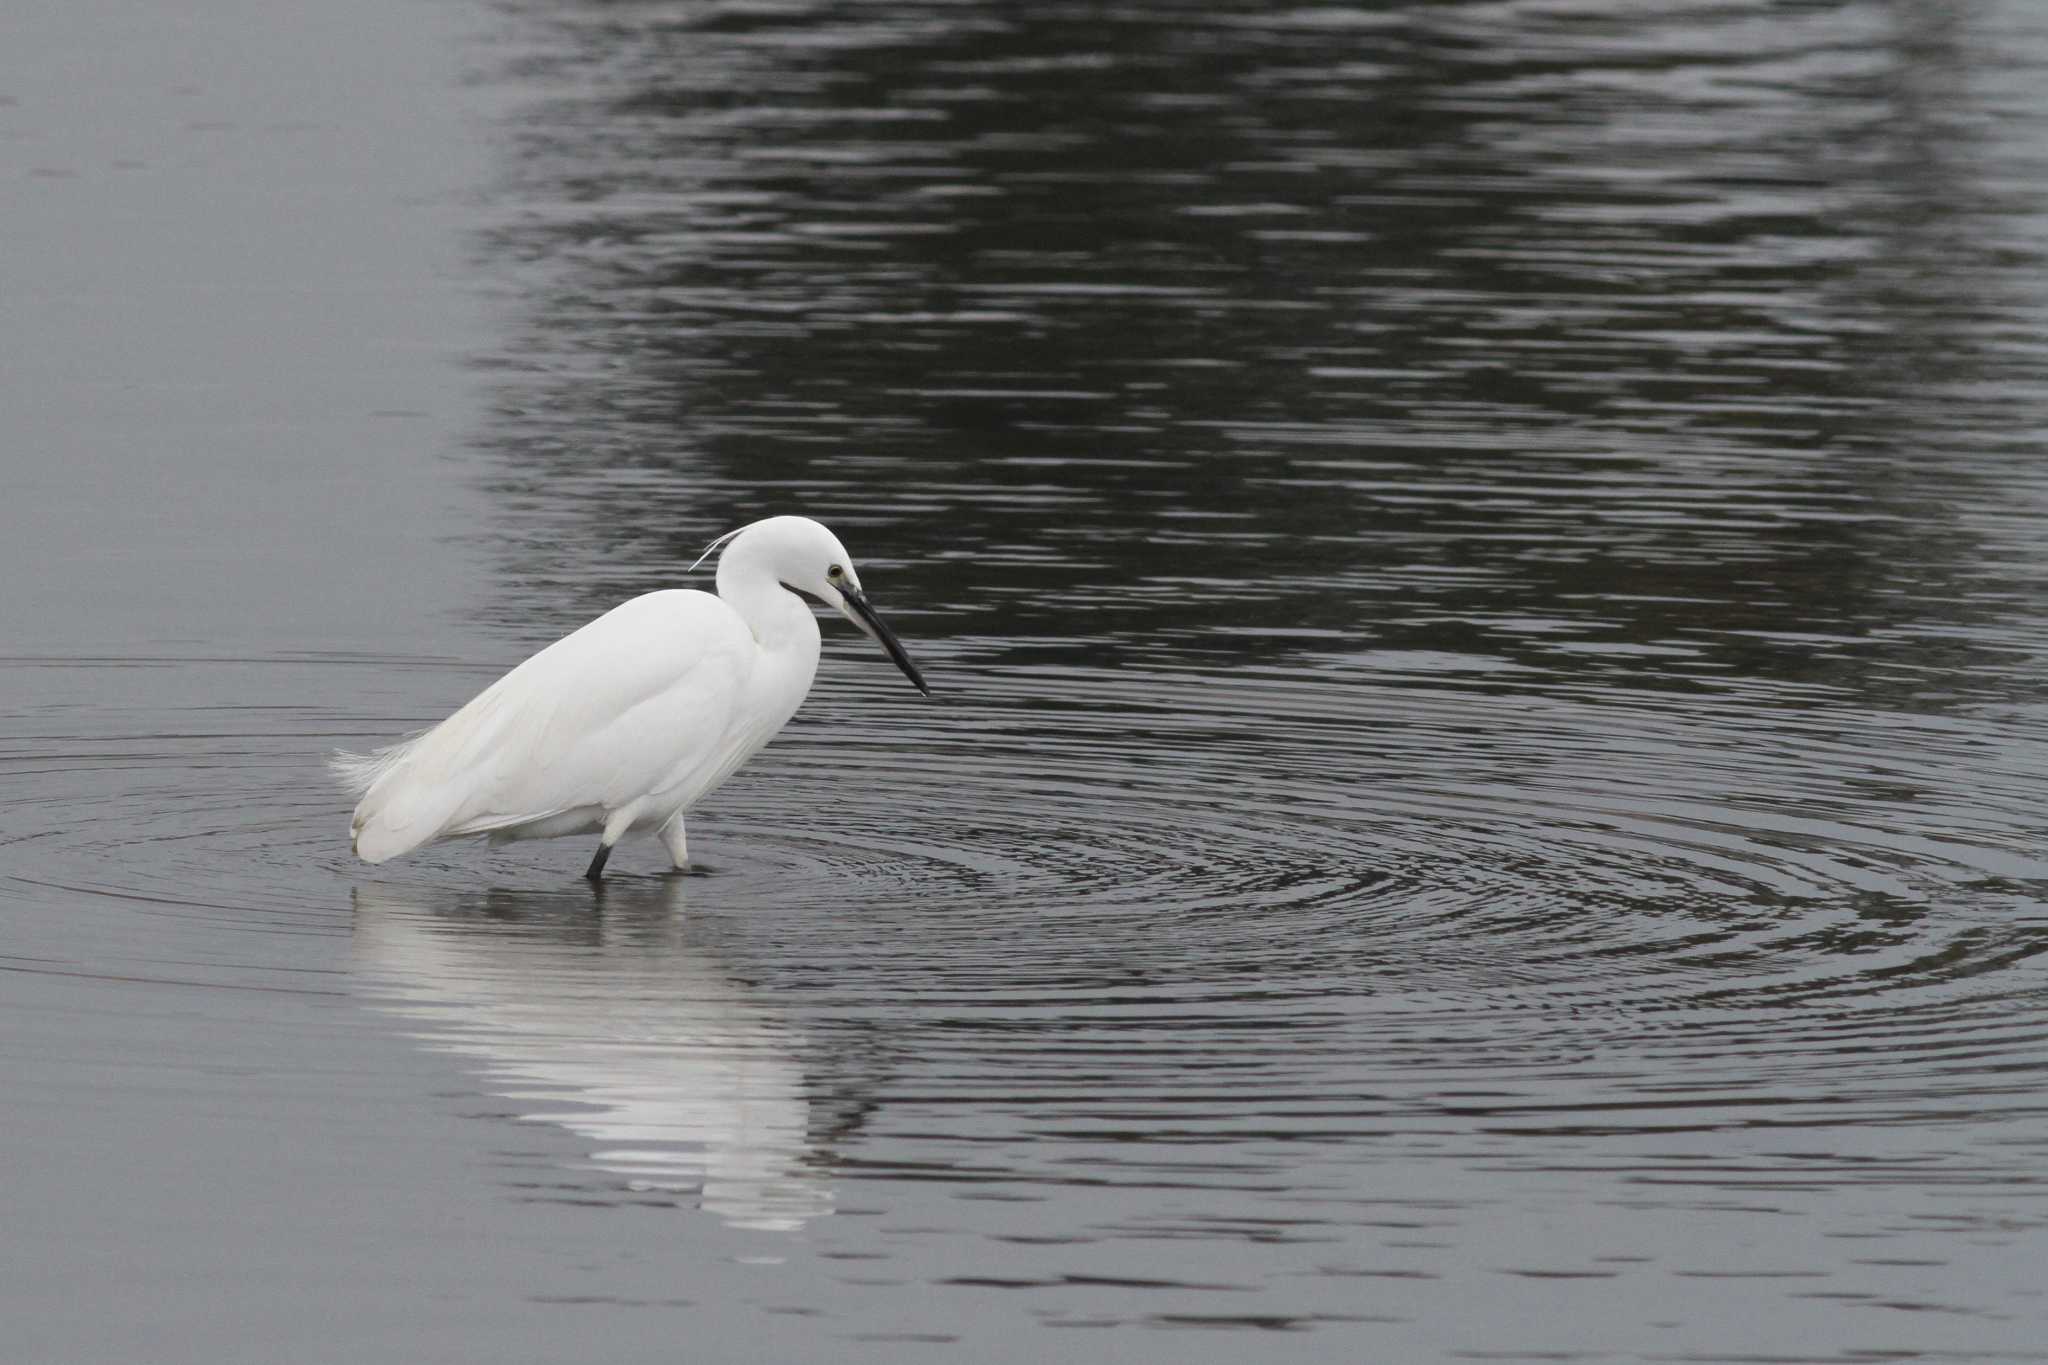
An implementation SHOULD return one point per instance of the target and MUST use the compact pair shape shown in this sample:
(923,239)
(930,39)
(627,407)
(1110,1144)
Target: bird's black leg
(595,872)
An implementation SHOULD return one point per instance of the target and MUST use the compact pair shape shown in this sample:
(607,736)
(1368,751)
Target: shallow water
(1481,569)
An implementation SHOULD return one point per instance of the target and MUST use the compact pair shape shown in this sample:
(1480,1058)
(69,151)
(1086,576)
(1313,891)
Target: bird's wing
(607,714)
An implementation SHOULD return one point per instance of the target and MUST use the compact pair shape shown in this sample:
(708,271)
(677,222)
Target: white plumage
(625,724)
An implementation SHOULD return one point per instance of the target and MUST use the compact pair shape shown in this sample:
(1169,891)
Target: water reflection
(1633,341)
(608,1020)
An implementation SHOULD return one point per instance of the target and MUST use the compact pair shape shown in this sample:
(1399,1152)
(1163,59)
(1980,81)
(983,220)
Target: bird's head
(806,558)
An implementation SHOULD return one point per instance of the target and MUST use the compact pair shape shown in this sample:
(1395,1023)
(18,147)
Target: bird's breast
(784,671)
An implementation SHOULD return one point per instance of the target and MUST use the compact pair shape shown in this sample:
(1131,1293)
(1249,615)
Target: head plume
(708,549)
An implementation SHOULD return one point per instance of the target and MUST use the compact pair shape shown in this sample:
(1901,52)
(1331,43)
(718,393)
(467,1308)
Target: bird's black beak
(864,616)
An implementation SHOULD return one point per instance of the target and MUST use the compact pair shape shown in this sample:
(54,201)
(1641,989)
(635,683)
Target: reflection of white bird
(615,1030)
(625,724)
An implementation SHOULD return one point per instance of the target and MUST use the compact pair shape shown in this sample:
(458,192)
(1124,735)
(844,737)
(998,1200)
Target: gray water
(1482,567)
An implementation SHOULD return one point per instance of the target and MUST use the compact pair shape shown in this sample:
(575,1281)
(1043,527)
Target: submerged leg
(615,826)
(672,839)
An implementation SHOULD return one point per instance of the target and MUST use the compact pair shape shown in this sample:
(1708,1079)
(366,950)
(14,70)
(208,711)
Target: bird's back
(629,707)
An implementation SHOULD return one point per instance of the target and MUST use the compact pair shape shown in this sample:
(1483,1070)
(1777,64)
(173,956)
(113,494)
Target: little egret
(625,724)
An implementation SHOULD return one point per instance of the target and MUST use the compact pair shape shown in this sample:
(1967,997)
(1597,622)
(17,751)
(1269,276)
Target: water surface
(1480,565)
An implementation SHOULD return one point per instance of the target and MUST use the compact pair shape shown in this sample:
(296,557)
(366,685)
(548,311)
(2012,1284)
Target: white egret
(626,724)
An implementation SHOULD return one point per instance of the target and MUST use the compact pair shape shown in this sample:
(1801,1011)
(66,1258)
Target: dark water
(1482,566)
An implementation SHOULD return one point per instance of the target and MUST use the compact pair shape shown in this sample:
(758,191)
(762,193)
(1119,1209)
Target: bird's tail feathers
(390,818)
(357,773)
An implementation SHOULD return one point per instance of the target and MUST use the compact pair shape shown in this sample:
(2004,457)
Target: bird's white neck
(777,617)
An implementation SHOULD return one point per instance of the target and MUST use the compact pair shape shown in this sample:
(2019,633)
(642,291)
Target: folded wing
(639,701)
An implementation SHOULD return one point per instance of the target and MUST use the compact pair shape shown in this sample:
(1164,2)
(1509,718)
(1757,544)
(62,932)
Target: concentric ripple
(1381,827)
(1249,935)
(1537,872)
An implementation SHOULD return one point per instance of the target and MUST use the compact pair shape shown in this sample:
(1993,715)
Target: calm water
(1485,569)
